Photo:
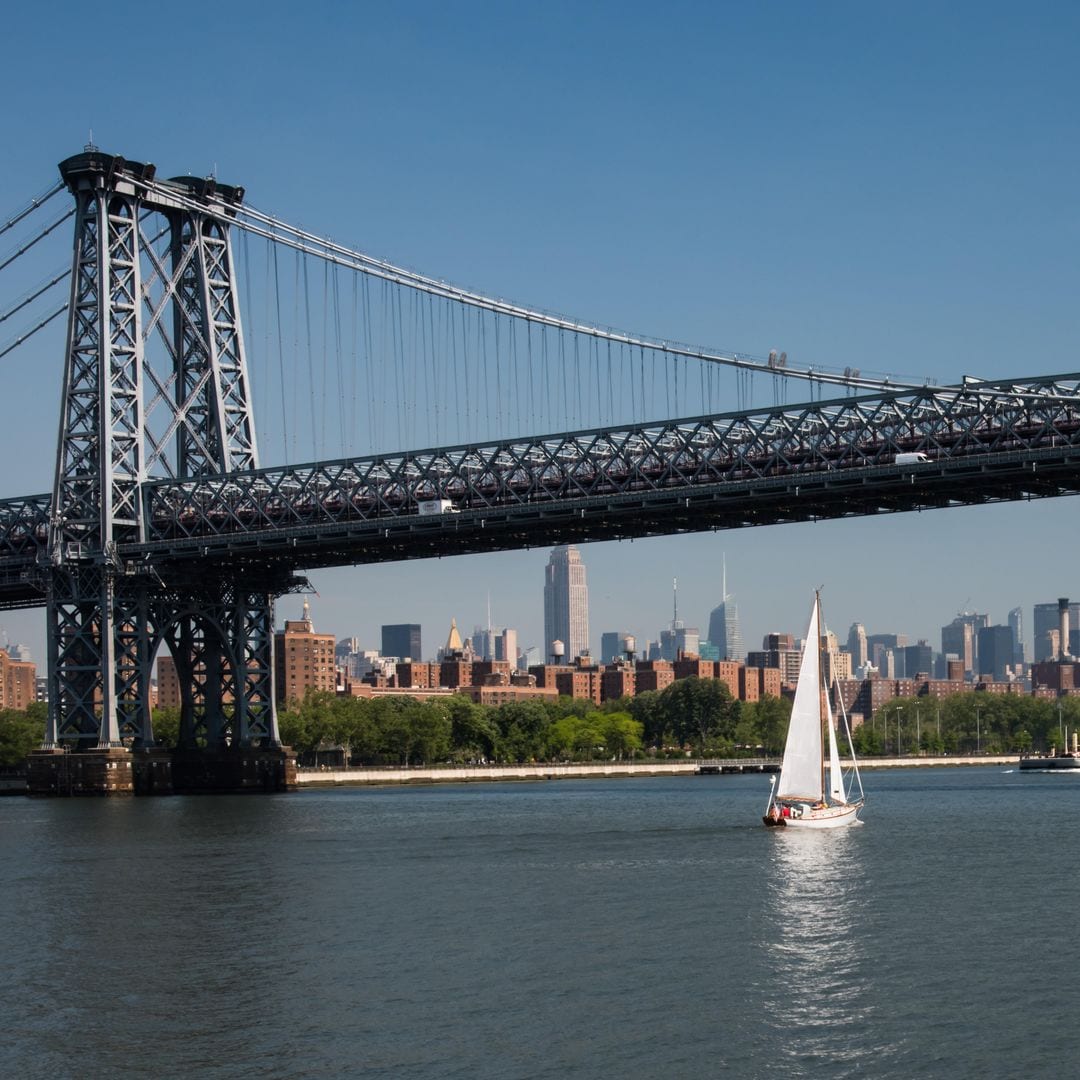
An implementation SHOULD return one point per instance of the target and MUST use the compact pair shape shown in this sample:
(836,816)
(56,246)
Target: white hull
(832,817)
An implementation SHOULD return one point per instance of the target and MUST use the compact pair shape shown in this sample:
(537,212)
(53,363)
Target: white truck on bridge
(427,507)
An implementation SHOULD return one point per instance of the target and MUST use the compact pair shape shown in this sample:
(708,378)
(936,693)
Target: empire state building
(566,602)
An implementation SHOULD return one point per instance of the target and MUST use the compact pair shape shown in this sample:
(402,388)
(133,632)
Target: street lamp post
(898,752)
(918,730)
(978,738)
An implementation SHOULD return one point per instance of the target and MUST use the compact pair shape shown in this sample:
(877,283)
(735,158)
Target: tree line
(695,715)
(968,723)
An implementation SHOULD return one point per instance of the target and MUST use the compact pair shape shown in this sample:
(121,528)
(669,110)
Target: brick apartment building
(303,660)
(17,682)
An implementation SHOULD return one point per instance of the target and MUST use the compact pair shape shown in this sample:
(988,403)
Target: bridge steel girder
(105,620)
(984,442)
(823,459)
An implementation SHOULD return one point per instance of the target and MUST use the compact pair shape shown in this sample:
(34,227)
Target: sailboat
(802,799)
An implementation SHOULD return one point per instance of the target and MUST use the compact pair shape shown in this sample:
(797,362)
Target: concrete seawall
(491,773)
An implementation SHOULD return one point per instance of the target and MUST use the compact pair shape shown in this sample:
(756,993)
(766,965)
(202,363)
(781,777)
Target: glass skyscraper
(724,630)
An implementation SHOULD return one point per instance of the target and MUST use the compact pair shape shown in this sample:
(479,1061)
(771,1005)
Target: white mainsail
(801,773)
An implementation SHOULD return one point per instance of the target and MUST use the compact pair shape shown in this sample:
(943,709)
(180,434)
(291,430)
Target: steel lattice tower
(155,383)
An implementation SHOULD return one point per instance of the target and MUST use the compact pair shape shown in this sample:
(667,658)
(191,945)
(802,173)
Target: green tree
(764,723)
(166,722)
(474,735)
(432,729)
(523,728)
(620,733)
(646,710)
(20,733)
(700,713)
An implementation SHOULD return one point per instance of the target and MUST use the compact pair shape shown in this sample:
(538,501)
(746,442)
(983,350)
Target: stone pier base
(152,771)
(234,770)
(160,772)
(88,772)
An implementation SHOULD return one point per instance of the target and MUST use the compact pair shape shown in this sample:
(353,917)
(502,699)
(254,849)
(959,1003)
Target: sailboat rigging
(803,798)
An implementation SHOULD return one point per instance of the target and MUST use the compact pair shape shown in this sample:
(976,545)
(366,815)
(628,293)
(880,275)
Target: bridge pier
(107,771)
(240,770)
(119,771)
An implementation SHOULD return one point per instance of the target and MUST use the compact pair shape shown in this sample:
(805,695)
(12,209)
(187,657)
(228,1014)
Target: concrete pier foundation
(234,771)
(88,772)
(161,772)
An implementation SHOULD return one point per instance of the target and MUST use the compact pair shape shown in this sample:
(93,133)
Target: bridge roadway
(982,443)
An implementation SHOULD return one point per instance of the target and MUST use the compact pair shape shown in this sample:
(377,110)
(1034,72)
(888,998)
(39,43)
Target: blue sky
(891,187)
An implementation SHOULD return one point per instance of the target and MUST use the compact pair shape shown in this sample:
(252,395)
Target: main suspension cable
(40,236)
(34,204)
(30,297)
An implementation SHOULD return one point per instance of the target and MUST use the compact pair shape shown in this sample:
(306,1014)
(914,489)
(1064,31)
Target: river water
(612,928)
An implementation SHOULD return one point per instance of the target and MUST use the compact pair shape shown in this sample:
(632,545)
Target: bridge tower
(155,384)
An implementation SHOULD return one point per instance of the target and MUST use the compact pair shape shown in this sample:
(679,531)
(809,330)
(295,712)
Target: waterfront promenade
(464,774)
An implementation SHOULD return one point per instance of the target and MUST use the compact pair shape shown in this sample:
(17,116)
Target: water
(619,928)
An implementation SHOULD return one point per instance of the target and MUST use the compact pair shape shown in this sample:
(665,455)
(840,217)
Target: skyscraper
(611,645)
(1047,619)
(506,646)
(566,602)
(995,651)
(679,639)
(724,630)
(402,640)
(857,646)
(1016,625)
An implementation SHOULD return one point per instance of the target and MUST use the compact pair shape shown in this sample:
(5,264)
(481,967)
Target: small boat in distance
(802,799)
(1056,760)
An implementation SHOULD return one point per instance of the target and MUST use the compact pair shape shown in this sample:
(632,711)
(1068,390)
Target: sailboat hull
(809,817)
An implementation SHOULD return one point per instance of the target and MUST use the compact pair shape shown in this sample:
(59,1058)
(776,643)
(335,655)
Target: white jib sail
(836,775)
(800,774)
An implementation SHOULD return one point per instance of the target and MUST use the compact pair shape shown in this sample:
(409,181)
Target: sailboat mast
(822,689)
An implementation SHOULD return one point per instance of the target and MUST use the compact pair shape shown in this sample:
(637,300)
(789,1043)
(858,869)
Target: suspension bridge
(164,527)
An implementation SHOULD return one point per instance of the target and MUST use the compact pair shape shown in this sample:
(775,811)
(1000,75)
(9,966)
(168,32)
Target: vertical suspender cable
(281,356)
(310,358)
(468,393)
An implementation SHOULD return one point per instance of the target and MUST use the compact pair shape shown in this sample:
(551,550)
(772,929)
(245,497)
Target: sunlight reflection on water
(820,978)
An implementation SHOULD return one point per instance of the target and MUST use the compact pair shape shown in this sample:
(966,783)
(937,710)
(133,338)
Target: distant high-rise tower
(857,646)
(401,640)
(566,602)
(680,639)
(611,645)
(1016,625)
(960,638)
(724,630)
(1048,619)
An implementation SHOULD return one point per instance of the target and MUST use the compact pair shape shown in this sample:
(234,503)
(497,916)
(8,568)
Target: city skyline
(331,615)
(861,194)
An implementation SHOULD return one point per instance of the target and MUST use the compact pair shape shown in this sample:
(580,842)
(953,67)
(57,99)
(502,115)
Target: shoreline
(394,776)
(398,776)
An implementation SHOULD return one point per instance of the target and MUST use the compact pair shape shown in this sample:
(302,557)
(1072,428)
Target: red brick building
(303,660)
(16,682)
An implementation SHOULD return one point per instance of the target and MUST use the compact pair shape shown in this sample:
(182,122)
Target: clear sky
(886,186)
